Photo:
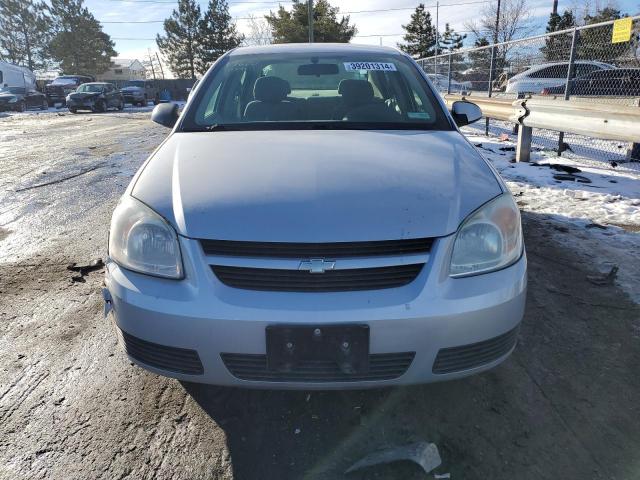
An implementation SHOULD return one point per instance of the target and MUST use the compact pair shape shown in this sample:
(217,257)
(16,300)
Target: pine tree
(217,34)
(293,26)
(180,44)
(450,41)
(79,45)
(595,43)
(25,31)
(480,64)
(421,34)
(558,47)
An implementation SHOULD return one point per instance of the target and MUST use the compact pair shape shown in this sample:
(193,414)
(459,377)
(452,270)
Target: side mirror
(165,114)
(465,113)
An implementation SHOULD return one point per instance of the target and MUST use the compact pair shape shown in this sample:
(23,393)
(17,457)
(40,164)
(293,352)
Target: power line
(353,12)
(232,2)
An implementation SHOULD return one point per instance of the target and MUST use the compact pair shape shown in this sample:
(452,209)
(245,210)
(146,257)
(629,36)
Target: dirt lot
(565,405)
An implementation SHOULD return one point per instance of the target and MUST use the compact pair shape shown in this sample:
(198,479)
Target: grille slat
(268,279)
(254,367)
(474,355)
(317,250)
(179,360)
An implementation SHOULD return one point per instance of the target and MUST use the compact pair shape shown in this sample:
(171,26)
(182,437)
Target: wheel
(121,105)
(45,105)
(100,106)
(146,101)
(73,110)
(21,107)
(50,103)
(156,99)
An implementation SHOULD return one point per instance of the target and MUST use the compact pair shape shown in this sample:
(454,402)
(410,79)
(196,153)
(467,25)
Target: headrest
(355,92)
(271,89)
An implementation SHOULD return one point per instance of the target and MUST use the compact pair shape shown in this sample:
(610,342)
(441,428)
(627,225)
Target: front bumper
(84,104)
(5,106)
(433,314)
(133,97)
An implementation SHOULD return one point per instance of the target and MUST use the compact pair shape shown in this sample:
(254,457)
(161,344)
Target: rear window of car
(339,90)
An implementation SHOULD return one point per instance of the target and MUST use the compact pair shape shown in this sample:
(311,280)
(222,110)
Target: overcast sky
(133,40)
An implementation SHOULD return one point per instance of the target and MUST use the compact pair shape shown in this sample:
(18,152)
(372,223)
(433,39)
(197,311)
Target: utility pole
(495,40)
(310,4)
(493,64)
(555,7)
(435,58)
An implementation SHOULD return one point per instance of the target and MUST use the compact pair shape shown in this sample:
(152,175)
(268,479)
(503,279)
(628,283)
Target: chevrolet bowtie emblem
(317,265)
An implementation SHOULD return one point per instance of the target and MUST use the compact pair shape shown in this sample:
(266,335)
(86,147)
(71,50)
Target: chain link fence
(583,63)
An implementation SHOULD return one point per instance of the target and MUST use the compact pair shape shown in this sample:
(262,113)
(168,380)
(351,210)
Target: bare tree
(515,21)
(259,32)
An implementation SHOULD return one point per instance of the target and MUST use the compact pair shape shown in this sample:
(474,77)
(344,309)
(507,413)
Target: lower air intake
(456,359)
(179,360)
(385,366)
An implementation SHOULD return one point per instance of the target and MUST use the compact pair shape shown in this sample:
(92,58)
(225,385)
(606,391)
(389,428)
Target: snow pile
(594,207)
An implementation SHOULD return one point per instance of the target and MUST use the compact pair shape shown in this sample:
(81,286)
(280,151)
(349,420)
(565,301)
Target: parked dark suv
(62,86)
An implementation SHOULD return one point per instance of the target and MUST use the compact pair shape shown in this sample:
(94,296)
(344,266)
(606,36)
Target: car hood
(9,96)
(316,186)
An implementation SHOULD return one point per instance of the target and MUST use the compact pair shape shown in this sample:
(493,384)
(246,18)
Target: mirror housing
(464,113)
(165,114)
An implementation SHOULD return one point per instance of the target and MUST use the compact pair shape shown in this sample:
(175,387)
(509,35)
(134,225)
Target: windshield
(89,87)
(260,91)
(134,84)
(12,90)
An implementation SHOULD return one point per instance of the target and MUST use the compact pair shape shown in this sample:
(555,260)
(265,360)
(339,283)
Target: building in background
(124,69)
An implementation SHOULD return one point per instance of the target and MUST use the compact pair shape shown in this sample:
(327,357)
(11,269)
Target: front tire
(100,107)
(73,110)
(121,105)
(45,105)
(21,107)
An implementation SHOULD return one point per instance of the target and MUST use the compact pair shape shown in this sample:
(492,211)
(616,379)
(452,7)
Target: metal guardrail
(598,120)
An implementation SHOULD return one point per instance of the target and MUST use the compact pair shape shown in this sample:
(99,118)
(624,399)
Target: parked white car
(547,75)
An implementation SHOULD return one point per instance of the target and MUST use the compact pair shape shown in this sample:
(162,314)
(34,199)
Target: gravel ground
(72,407)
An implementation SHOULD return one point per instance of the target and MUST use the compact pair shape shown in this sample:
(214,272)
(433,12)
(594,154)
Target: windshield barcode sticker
(385,67)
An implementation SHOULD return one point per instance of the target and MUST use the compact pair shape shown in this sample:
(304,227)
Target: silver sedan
(316,220)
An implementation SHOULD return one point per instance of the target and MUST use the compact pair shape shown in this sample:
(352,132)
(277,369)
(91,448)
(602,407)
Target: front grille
(278,280)
(474,355)
(179,360)
(385,366)
(317,250)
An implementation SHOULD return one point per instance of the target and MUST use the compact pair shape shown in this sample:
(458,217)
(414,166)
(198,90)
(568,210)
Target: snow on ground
(595,210)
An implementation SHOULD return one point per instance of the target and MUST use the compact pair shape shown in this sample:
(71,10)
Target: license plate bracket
(291,346)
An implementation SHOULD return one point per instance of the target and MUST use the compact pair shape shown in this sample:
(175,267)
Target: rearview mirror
(166,114)
(464,113)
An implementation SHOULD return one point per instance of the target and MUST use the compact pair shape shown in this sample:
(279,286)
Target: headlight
(489,239)
(141,240)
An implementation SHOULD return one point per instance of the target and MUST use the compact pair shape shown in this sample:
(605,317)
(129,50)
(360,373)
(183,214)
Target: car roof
(581,62)
(97,83)
(340,48)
